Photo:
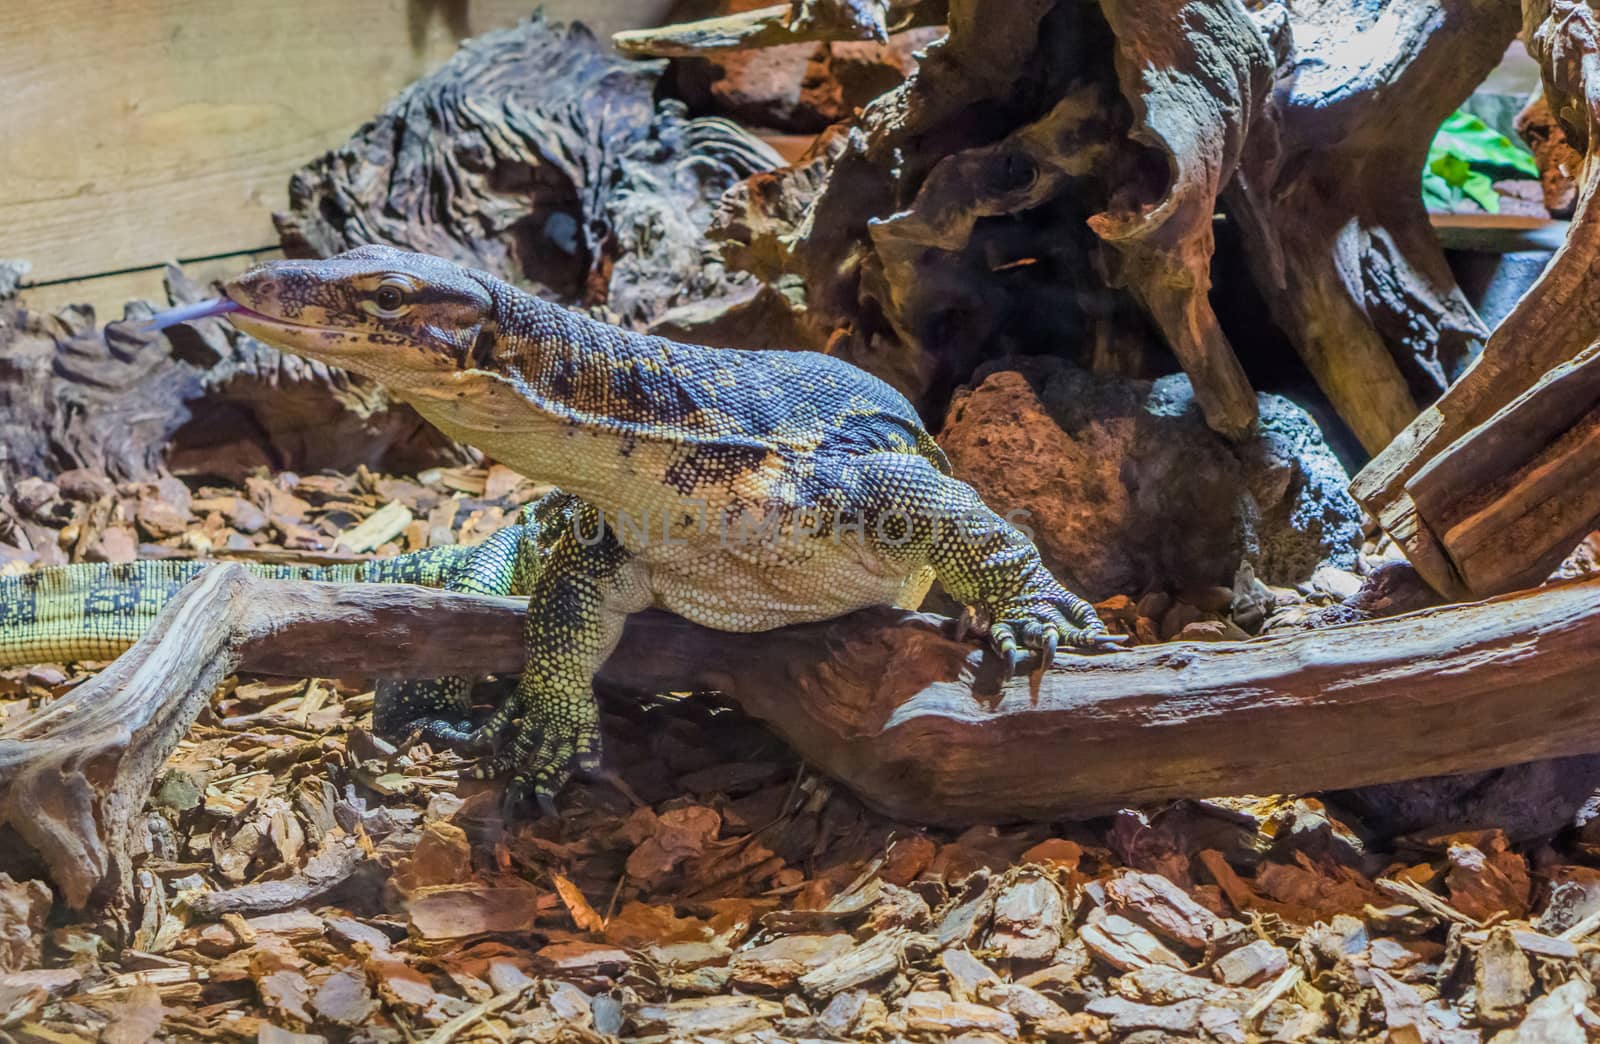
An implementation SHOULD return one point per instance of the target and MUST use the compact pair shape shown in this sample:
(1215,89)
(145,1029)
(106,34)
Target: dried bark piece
(929,1012)
(1561,1016)
(965,973)
(465,910)
(1503,978)
(1127,1016)
(1027,919)
(1250,965)
(344,999)
(1024,1002)
(441,856)
(1167,909)
(880,955)
(24,905)
(778,965)
(583,915)
(343,863)
(1489,879)
(1125,945)
(700,1016)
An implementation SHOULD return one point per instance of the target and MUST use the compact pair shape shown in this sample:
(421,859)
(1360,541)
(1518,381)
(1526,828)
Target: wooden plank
(1499,233)
(144,130)
(108,293)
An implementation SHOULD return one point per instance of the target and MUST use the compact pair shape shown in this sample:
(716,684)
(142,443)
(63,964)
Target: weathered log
(1164,245)
(920,725)
(1505,458)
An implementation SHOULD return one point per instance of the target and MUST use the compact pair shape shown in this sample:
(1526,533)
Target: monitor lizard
(744,490)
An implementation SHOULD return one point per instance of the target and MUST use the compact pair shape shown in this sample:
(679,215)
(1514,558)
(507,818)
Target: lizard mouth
(300,338)
(218,306)
(187,314)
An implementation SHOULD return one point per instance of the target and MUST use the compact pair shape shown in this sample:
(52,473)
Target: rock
(1124,488)
(85,485)
(1211,631)
(158,519)
(1342,584)
(114,544)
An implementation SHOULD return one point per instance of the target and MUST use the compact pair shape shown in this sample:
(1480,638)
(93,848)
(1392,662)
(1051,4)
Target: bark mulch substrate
(307,880)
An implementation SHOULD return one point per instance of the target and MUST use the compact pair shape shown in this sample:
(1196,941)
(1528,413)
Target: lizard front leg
(587,585)
(914,512)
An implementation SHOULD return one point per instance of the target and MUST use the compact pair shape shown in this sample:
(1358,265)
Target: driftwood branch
(916,723)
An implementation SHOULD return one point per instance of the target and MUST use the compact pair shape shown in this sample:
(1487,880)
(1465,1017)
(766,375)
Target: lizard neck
(567,400)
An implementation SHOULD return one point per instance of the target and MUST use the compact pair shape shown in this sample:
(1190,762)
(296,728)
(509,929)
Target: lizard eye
(390,300)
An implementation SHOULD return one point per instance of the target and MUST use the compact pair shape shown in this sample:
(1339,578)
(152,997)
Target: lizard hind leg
(587,586)
(437,710)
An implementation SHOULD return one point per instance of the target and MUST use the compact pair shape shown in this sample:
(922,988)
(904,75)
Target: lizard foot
(1042,620)
(540,761)
(431,710)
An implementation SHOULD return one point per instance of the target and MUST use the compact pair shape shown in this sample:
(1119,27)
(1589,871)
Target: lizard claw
(545,758)
(1005,643)
(1047,656)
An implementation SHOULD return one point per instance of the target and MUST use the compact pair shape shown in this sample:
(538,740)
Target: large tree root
(918,724)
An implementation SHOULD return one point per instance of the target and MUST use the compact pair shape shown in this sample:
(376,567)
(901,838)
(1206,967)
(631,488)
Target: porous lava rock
(1126,490)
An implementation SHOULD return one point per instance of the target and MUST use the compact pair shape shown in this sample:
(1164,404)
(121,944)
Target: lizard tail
(94,611)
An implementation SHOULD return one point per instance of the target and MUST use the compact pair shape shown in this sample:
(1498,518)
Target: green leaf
(1465,159)
(1452,168)
(1472,140)
(1480,189)
(1437,193)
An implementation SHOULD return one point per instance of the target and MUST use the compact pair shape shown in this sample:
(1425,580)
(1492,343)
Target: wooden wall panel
(141,131)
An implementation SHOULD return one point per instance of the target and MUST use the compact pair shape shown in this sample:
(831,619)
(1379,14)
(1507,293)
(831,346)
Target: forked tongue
(186,314)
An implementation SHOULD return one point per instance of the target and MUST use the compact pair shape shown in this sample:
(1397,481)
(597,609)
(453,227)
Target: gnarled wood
(1196,74)
(917,723)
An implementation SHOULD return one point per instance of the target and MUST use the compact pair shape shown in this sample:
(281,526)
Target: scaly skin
(744,490)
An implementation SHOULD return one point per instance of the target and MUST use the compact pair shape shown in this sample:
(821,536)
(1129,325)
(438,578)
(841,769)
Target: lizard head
(409,321)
